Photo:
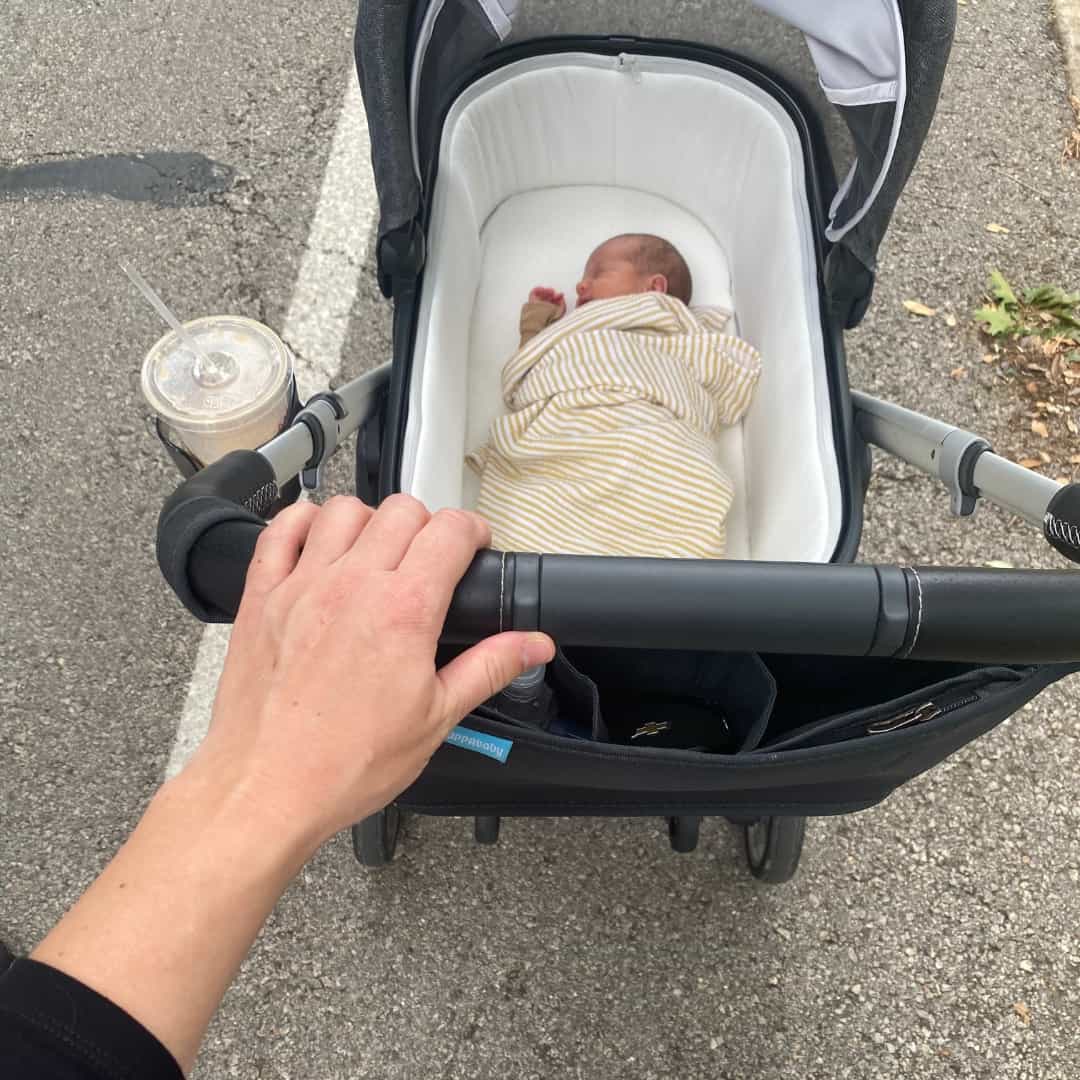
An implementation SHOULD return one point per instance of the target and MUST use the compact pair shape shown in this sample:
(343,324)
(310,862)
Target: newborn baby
(630,263)
(609,443)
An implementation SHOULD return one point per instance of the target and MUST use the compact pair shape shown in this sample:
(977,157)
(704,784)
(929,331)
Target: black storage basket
(846,732)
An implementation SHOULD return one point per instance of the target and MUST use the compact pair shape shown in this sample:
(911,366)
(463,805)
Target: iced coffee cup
(224,385)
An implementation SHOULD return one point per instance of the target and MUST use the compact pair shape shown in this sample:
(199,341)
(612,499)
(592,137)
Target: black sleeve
(52,1027)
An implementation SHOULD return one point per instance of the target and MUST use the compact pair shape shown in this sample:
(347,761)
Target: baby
(625,264)
(608,445)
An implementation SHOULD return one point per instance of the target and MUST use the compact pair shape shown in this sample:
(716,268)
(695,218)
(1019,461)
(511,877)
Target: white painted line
(1068,21)
(195,717)
(315,328)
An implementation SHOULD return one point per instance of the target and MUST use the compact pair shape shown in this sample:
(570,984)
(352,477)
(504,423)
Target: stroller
(785,681)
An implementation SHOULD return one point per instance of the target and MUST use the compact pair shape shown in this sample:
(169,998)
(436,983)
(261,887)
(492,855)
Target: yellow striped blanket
(608,447)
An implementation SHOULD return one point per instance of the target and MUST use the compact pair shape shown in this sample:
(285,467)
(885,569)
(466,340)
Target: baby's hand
(545,294)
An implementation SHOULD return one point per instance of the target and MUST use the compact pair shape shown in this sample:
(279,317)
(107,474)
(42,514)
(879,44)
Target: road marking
(315,327)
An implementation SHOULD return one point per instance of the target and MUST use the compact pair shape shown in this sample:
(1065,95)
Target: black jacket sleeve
(52,1027)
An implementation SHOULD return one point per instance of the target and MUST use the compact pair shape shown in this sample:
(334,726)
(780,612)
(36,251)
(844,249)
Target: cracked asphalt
(575,948)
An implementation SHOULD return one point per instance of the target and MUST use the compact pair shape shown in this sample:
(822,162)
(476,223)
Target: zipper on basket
(920,714)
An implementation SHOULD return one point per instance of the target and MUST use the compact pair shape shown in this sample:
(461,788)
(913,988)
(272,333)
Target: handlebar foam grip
(237,489)
(996,616)
(1061,523)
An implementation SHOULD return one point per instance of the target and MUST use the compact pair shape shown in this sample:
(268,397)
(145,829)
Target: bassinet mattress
(530,181)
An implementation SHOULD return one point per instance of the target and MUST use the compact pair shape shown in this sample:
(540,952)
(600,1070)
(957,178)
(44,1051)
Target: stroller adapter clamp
(320,415)
(959,453)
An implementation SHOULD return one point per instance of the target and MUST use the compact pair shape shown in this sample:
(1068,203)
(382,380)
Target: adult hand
(330,704)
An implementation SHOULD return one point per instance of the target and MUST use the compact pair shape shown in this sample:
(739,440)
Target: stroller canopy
(877,65)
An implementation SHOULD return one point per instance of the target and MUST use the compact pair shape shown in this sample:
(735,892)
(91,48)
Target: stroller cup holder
(188,465)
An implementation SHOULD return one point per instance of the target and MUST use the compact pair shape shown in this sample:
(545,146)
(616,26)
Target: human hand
(330,704)
(545,294)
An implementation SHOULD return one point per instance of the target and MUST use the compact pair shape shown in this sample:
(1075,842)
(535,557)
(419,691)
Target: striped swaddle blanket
(608,447)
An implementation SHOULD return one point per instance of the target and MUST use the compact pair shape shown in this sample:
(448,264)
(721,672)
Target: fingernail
(537,649)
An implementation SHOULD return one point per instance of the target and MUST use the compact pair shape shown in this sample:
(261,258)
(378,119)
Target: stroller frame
(837,761)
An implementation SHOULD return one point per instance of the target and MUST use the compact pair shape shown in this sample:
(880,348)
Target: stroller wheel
(683,833)
(486,829)
(773,847)
(375,838)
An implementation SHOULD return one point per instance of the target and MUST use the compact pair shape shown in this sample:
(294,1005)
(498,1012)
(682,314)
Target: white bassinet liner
(545,158)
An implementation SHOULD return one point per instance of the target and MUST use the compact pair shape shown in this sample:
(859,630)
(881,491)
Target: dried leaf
(1039,428)
(988,358)
(994,227)
(1072,143)
(1023,1012)
(950,320)
(958,373)
(1031,387)
(1074,459)
(919,309)
(1070,423)
(1044,455)
(1030,463)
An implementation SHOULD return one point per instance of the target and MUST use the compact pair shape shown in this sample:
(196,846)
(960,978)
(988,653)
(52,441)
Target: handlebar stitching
(1062,530)
(260,500)
(502,589)
(918,615)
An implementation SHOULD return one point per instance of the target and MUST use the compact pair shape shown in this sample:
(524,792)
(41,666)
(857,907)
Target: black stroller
(785,681)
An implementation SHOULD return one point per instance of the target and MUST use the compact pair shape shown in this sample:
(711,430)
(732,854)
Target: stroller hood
(872,73)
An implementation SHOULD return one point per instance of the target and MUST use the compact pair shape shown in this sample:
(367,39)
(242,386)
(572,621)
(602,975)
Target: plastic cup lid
(249,368)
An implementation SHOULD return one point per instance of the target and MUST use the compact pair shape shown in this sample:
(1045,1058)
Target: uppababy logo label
(489,745)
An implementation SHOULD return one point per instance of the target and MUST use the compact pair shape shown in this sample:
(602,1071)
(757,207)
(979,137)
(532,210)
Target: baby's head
(634,263)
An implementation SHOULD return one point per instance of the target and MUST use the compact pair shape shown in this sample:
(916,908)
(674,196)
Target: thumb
(487,668)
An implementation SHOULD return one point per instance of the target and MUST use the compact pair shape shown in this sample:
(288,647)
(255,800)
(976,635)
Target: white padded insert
(542,160)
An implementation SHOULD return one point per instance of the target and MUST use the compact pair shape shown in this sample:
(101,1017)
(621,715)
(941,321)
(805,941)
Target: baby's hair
(655,255)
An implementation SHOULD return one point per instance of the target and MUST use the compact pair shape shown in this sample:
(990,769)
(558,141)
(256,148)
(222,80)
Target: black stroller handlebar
(209,527)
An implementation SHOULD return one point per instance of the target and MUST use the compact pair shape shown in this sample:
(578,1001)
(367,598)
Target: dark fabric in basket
(712,702)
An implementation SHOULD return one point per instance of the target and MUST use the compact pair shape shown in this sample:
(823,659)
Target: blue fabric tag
(489,745)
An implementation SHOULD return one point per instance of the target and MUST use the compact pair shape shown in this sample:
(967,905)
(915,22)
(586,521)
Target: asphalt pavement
(933,936)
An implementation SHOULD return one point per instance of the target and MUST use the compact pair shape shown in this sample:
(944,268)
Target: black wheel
(683,833)
(375,838)
(773,847)
(486,829)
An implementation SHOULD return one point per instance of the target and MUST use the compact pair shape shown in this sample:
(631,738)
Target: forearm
(164,929)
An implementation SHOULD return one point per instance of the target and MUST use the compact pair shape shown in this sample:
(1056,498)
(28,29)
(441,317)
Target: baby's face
(611,272)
